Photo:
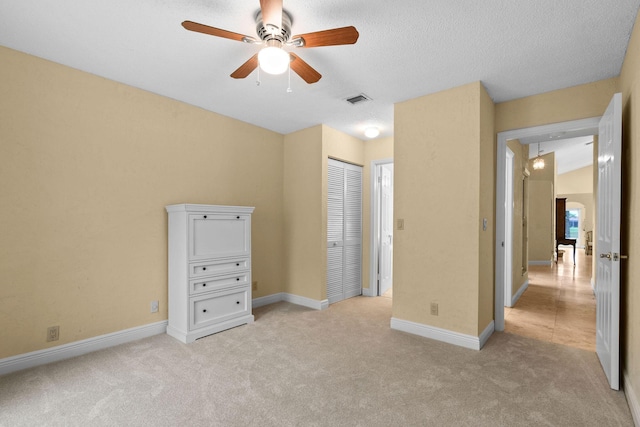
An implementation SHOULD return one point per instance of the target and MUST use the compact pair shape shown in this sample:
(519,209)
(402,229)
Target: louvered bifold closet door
(351,282)
(335,230)
(344,231)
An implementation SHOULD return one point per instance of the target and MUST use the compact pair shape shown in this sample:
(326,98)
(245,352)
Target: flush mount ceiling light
(538,163)
(371,132)
(273,59)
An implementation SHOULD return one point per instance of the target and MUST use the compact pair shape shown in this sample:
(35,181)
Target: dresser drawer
(208,284)
(209,309)
(207,268)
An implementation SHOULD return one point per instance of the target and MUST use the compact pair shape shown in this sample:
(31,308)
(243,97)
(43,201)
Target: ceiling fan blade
(304,70)
(272,13)
(245,69)
(336,36)
(205,29)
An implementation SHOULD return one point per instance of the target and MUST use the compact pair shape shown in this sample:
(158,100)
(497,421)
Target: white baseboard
(488,331)
(269,299)
(78,348)
(368,292)
(632,398)
(444,335)
(293,299)
(306,302)
(518,294)
(547,262)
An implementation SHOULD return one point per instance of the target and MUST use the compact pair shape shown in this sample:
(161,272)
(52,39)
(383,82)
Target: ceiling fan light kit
(273,59)
(273,27)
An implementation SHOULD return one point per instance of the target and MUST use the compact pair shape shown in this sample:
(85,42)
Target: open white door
(607,284)
(386,228)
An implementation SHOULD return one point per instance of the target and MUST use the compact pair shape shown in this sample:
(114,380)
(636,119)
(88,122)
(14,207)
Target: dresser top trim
(209,208)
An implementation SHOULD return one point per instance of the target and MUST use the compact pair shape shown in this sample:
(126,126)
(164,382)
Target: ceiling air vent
(358,99)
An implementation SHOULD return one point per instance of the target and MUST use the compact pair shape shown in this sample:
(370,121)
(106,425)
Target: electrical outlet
(154,306)
(53,333)
(254,285)
(434,308)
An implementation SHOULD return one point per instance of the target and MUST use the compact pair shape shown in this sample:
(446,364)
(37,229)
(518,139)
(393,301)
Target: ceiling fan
(273,27)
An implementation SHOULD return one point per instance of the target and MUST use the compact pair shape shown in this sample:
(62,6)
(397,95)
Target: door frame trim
(501,159)
(508,241)
(374,225)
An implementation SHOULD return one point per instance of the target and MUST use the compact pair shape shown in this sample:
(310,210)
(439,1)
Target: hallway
(559,305)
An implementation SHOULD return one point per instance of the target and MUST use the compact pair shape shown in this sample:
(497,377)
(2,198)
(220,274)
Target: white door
(607,284)
(344,230)
(386,228)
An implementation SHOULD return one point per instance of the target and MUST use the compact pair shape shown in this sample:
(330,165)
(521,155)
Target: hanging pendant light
(538,162)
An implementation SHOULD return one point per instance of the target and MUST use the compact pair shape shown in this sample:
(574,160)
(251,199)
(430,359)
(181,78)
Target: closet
(344,231)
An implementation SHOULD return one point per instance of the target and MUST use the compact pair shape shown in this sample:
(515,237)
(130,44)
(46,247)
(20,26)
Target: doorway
(381,249)
(567,129)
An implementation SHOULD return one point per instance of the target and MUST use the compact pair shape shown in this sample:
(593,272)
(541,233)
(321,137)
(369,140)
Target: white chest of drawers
(209,269)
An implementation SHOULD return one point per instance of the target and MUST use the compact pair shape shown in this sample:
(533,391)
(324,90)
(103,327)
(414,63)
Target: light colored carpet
(297,367)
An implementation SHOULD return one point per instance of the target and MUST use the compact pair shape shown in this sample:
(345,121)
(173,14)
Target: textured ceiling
(406,49)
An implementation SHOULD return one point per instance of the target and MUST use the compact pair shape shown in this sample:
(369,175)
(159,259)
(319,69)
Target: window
(571,223)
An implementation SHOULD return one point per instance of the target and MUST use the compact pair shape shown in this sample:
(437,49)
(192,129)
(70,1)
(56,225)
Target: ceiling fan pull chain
(289,90)
(258,81)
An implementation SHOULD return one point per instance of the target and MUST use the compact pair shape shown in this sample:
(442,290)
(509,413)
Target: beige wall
(542,197)
(578,102)
(577,181)
(487,189)
(375,149)
(519,273)
(629,85)
(541,205)
(87,167)
(439,147)
(304,242)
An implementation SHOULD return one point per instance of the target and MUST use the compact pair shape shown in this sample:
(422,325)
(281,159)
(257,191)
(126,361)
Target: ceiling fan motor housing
(266,32)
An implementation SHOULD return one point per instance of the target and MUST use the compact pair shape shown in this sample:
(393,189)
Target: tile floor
(559,305)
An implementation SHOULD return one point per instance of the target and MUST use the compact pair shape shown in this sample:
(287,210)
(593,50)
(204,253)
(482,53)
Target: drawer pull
(237,217)
(204,268)
(205,217)
(204,285)
(237,279)
(237,264)
(237,302)
(204,311)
